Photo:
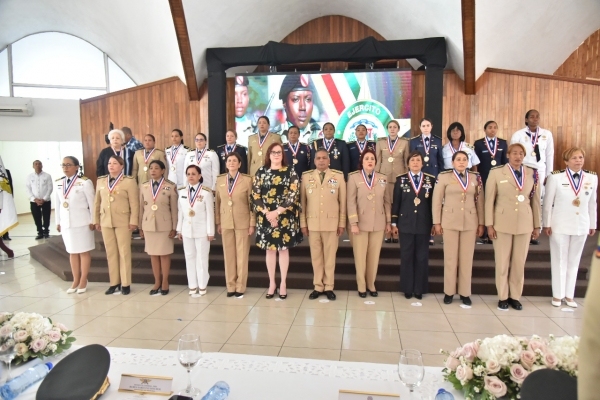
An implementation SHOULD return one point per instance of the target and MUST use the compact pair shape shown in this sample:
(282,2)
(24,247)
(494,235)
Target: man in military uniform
(356,148)
(296,93)
(243,121)
(259,143)
(297,154)
(322,220)
(336,148)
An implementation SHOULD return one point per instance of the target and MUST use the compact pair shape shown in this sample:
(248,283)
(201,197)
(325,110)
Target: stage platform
(52,255)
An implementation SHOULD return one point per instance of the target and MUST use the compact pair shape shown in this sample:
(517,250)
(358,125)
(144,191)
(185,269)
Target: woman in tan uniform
(259,143)
(392,158)
(369,212)
(458,215)
(235,222)
(143,157)
(116,215)
(513,217)
(158,223)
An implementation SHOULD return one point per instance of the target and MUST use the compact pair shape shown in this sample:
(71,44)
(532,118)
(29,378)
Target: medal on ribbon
(361,147)
(147,157)
(112,187)
(391,147)
(67,189)
(426,147)
(460,146)
(416,188)
(369,183)
(261,142)
(493,153)
(534,138)
(231,187)
(294,151)
(192,199)
(576,187)
(174,151)
(232,150)
(464,185)
(200,155)
(328,146)
(117,154)
(519,182)
(156,192)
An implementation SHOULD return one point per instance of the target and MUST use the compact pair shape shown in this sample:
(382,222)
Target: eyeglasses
(68,165)
(276,153)
(200,140)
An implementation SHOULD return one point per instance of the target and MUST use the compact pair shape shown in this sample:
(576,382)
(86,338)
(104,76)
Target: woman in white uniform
(74,204)
(196,227)
(456,141)
(207,160)
(175,156)
(569,215)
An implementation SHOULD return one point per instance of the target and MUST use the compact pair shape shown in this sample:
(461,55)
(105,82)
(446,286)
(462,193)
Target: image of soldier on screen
(297,95)
(244,123)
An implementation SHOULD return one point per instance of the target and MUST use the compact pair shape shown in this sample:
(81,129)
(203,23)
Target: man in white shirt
(39,188)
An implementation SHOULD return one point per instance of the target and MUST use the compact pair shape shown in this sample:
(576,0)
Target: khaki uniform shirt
(256,161)
(139,173)
(455,209)
(369,214)
(164,218)
(123,210)
(323,204)
(400,155)
(238,214)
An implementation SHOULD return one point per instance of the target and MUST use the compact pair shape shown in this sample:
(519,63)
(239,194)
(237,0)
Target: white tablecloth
(254,377)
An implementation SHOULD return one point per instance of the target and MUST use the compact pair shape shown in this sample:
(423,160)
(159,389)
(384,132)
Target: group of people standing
(393,189)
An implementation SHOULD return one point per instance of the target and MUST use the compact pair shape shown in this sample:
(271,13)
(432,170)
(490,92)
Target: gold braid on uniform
(444,172)
(589,172)
(172,183)
(558,171)
(429,175)
(352,173)
(337,171)
(308,172)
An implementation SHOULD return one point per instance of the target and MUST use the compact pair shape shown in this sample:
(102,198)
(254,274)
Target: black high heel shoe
(271,295)
(373,294)
(387,240)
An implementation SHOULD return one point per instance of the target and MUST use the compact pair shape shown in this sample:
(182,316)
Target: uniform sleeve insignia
(470,146)
(589,172)
(186,147)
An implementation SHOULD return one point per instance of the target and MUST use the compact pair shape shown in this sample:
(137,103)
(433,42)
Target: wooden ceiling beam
(185,48)
(468,31)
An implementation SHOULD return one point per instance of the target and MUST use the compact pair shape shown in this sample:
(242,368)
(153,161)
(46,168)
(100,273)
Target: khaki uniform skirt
(158,243)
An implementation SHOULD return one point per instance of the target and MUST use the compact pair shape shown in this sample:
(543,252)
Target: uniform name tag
(503,181)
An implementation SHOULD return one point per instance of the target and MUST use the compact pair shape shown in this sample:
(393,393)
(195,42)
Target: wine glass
(7,351)
(189,354)
(410,369)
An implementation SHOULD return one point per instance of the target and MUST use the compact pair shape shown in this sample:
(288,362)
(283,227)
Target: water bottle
(219,391)
(18,385)
(443,395)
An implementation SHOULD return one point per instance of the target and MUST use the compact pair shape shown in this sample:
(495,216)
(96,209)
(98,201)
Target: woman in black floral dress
(275,198)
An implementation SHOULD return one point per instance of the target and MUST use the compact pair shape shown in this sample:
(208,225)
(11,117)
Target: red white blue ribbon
(361,147)
(519,182)
(328,147)
(293,149)
(416,188)
(67,188)
(262,141)
(460,146)
(232,150)
(117,179)
(231,187)
(493,153)
(534,138)
(174,152)
(463,185)
(427,147)
(200,155)
(192,199)
(576,187)
(155,192)
(368,182)
(147,155)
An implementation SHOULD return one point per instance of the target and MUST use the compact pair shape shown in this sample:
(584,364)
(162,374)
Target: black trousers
(41,216)
(414,263)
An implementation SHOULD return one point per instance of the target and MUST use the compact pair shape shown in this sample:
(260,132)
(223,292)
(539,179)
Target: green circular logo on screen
(371,113)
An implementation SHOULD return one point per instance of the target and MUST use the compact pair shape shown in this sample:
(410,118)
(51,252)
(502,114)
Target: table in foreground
(254,377)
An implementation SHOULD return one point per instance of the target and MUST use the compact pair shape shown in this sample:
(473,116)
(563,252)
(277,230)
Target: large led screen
(347,99)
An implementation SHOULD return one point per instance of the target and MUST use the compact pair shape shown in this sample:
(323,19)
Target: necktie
(230,182)
(229,149)
(518,174)
(111,180)
(322,174)
(370,176)
(68,181)
(192,190)
(415,179)
(491,142)
(427,140)
(462,176)
(576,178)
(154,185)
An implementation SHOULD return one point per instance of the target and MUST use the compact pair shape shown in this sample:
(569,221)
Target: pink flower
(528,358)
(492,366)
(6,329)
(54,336)
(518,373)
(38,345)
(452,363)
(464,373)
(21,336)
(62,327)
(495,386)
(469,352)
(536,345)
(550,360)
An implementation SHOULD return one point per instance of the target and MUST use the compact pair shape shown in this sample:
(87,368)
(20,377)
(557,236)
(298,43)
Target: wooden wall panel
(155,108)
(568,109)
(584,62)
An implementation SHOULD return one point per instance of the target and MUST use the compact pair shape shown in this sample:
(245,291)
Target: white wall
(52,120)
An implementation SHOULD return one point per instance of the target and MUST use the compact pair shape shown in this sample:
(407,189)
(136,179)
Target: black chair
(547,384)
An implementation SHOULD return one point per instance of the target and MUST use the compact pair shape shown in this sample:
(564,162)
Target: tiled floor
(346,329)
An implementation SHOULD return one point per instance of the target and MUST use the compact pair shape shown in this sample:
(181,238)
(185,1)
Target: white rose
(21,336)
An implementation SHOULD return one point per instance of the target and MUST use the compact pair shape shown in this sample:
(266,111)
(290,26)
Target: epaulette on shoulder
(84,178)
(404,138)
(223,174)
(469,146)
(399,175)
(221,145)
(336,171)
(589,172)
(143,183)
(415,137)
(172,183)
(559,171)
(211,150)
(103,176)
(444,172)
(187,147)
(308,172)
(128,176)
(167,148)
(352,173)
(207,189)
(59,179)
(181,188)
(496,167)
(354,141)
(426,174)
(474,172)
(382,138)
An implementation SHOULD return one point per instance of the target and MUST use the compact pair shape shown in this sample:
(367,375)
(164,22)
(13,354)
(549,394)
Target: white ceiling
(524,35)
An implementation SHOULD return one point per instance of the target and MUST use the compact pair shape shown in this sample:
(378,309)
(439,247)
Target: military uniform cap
(294,83)
(241,80)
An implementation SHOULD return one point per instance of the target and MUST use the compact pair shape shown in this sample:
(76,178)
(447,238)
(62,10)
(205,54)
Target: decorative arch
(584,62)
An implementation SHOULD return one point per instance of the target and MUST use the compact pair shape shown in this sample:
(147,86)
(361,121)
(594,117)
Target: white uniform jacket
(559,212)
(79,201)
(176,168)
(466,147)
(546,147)
(209,165)
(202,222)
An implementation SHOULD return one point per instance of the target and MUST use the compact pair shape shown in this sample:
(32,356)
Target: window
(58,66)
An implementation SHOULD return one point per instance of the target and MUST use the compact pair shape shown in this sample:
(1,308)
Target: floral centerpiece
(496,367)
(35,335)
